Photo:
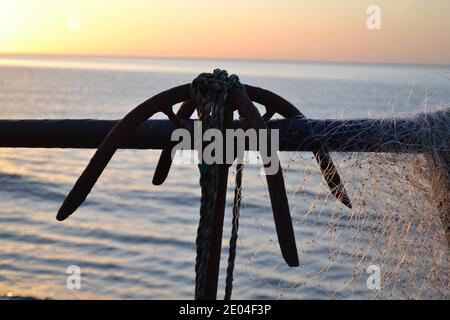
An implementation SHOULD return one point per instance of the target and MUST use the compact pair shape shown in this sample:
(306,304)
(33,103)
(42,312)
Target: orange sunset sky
(412,31)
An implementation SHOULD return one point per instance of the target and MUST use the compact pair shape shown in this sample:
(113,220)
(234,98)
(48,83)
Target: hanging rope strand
(234,231)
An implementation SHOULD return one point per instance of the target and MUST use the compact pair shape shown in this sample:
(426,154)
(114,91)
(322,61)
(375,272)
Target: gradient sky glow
(413,31)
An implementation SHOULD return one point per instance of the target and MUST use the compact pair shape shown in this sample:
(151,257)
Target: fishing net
(398,229)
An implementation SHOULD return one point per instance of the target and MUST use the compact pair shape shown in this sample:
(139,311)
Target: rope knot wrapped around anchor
(210,92)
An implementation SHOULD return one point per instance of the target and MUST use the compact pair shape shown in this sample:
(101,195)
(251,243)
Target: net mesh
(399,222)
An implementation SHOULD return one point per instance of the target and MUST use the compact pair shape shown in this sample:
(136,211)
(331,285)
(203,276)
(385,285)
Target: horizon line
(197,58)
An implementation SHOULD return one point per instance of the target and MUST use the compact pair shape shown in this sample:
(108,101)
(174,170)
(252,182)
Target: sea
(134,240)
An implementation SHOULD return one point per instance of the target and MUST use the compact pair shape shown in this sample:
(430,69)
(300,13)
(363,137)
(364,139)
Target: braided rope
(234,231)
(210,92)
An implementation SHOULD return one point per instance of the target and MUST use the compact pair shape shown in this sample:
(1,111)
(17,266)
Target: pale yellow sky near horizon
(412,31)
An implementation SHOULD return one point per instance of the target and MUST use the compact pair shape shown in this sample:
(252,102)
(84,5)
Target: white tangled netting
(399,223)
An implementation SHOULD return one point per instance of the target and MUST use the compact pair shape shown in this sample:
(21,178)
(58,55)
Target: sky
(411,31)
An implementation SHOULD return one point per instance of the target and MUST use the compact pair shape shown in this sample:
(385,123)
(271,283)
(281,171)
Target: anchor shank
(212,274)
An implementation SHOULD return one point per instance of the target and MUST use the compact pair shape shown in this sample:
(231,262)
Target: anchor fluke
(162,102)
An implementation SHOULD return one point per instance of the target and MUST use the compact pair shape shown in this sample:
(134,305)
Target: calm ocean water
(134,240)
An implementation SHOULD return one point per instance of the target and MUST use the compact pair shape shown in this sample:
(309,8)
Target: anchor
(215,96)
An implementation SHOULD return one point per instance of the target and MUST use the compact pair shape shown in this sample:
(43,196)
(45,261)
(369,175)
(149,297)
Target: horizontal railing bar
(409,134)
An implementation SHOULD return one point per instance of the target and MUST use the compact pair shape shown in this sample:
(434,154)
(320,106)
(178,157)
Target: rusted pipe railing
(407,134)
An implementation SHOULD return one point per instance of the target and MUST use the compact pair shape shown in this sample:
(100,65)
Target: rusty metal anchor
(240,100)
